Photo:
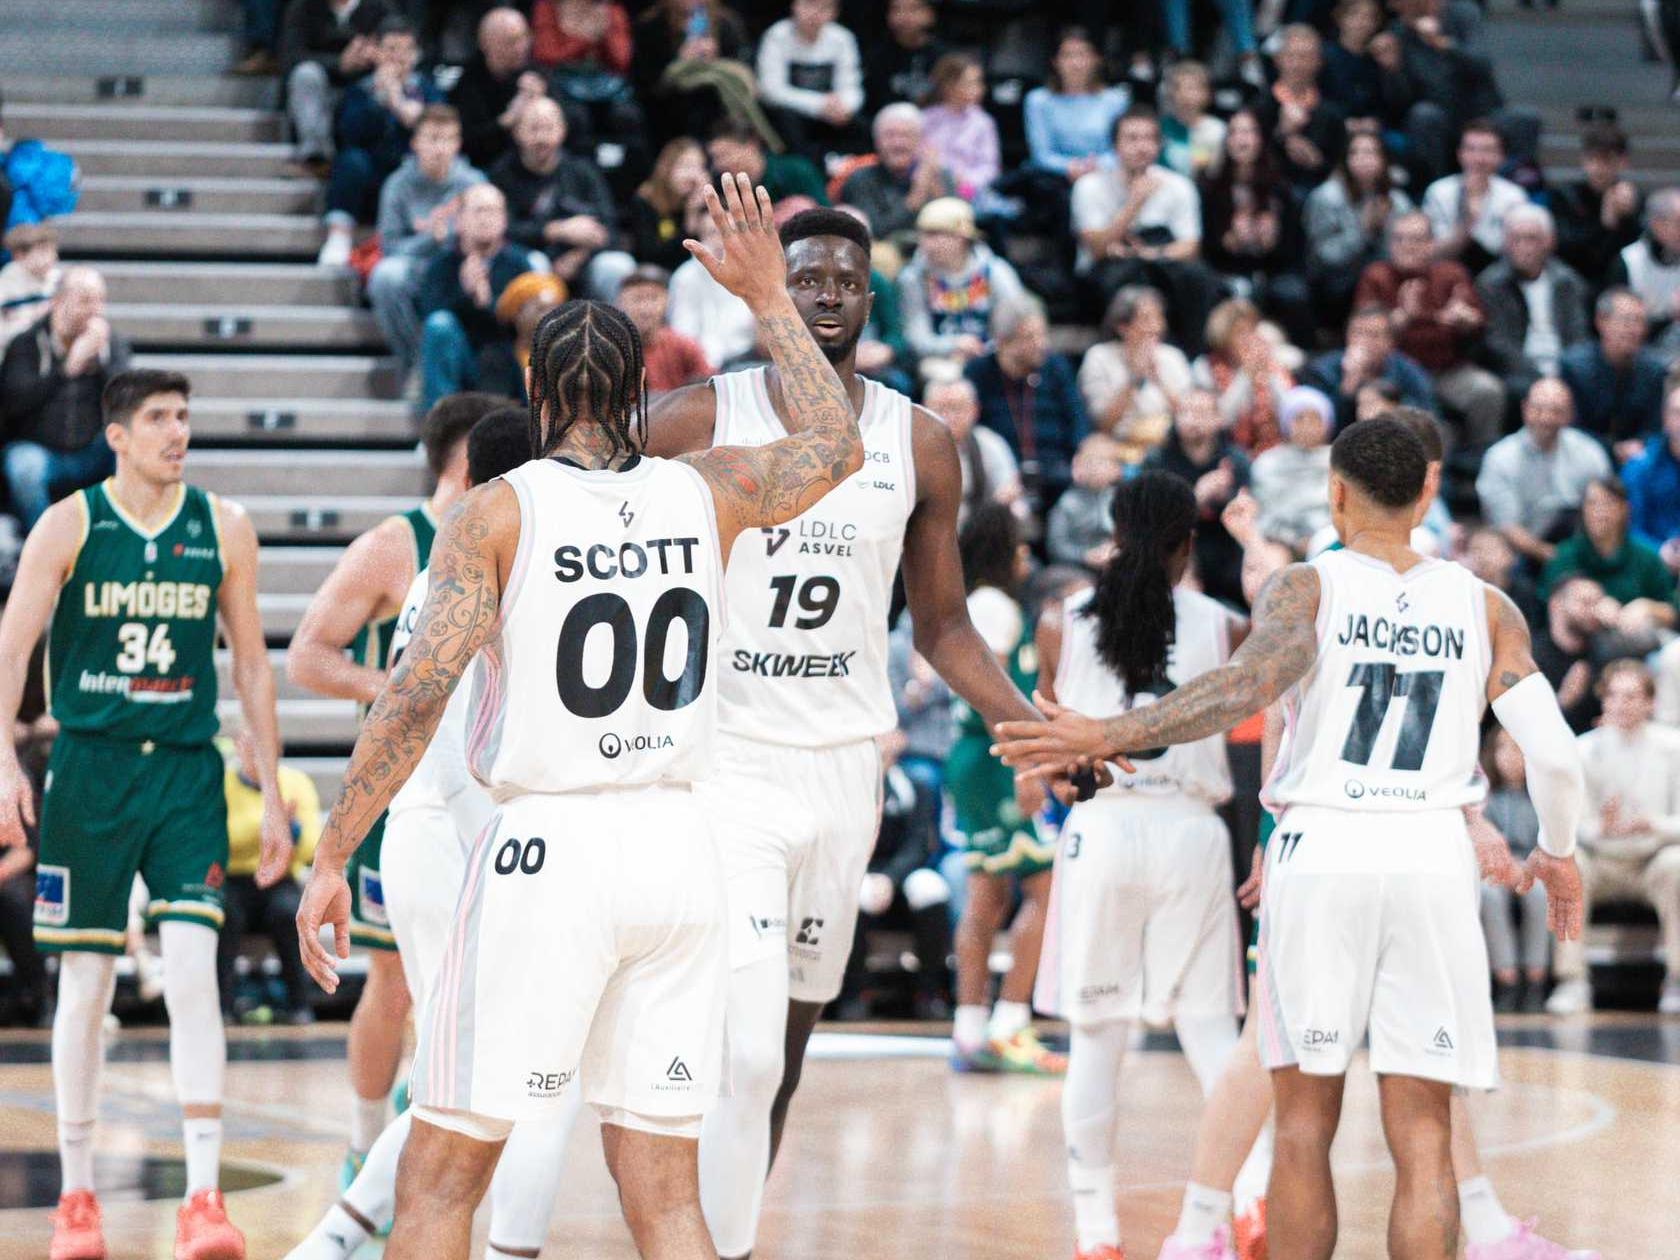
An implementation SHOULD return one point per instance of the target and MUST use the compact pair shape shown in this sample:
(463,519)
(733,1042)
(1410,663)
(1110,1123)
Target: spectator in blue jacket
(1617,381)
(1070,121)
(1370,356)
(1653,487)
(458,295)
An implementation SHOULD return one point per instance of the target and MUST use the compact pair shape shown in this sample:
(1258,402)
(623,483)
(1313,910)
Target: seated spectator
(1638,587)
(691,70)
(1450,82)
(1490,557)
(1305,129)
(1616,381)
(585,47)
(1361,75)
(1652,479)
(1651,268)
(1070,120)
(892,189)
(948,291)
(1132,380)
(1629,845)
(1029,397)
(1291,481)
(957,131)
(495,86)
(1535,304)
(1200,451)
(519,309)
(1369,356)
(989,471)
(670,359)
(899,65)
(656,208)
(51,381)
(28,282)
(1437,320)
(1531,483)
(247,906)
(1567,652)
(325,45)
(375,125)
(1080,528)
(1509,809)
(1192,139)
(458,295)
(417,208)
(1598,215)
(1242,369)
(581,34)
(702,309)
(1467,211)
(735,146)
(1346,222)
(559,204)
(810,77)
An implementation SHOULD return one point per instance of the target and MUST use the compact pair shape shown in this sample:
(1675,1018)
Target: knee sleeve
(85,983)
(197,1044)
(467,1123)
(1095,1054)
(924,888)
(735,1141)
(528,1177)
(1207,1042)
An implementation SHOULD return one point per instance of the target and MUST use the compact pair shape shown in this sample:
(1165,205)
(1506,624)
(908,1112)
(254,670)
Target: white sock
(85,981)
(1095,1054)
(203,1139)
(1095,1222)
(1484,1217)
(1008,1018)
(75,1154)
(338,1235)
(367,1122)
(374,1191)
(1255,1173)
(1204,1210)
(527,1179)
(969,1029)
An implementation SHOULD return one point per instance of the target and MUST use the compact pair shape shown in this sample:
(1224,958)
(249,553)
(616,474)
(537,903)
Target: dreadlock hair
(988,543)
(1154,516)
(586,360)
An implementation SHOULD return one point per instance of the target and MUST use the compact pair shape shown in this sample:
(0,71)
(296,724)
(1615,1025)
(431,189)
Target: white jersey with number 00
(804,661)
(602,670)
(1389,716)
(1201,642)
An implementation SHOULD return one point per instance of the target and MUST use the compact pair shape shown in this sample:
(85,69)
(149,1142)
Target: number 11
(1381,682)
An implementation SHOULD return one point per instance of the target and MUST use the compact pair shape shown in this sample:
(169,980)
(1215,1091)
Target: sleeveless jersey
(1388,719)
(804,661)
(441,771)
(131,653)
(372,645)
(1201,642)
(602,672)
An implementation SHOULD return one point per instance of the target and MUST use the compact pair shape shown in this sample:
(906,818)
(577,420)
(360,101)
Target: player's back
(600,672)
(1388,718)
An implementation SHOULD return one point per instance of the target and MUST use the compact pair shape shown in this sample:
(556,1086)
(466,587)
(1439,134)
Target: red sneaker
(1104,1252)
(1250,1230)
(76,1231)
(203,1231)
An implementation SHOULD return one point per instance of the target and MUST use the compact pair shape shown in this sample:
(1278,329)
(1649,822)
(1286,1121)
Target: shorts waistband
(1165,806)
(135,745)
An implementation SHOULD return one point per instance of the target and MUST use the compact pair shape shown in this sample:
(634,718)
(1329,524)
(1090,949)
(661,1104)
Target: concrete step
(295,570)
(217,283)
(125,15)
(145,122)
(172,232)
(160,325)
(282,376)
(124,89)
(69,50)
(280,615)
(348,475)
(150,194)
(284,688)
(178,159)
(318,518)
(308,723)
(303,422)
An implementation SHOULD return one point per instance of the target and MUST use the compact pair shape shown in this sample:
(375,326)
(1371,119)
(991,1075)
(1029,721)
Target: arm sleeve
(1556,784)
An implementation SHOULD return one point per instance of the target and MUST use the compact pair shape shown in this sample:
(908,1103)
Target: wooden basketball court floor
(888,1154)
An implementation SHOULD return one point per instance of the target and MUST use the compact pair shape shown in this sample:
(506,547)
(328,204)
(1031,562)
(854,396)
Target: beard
(839,352)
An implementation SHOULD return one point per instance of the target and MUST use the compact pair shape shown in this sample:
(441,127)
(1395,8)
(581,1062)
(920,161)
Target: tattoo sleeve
(1279,649)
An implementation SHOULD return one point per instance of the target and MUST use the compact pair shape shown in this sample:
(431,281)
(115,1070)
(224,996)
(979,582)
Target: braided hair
(1154,516)
(586,360)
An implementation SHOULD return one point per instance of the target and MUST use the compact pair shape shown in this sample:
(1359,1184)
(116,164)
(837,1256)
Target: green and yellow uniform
(134,783)
(1268,824)
(370,926)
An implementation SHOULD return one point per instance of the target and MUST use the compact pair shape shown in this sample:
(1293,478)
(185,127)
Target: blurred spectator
(1519,976)
(495,86)
(989,471)
(810,75)
(417,208)
(246,905)
(1653,485)
(1535,304)
(51,380)
(1133,378)
(1192,139)
(1437,320)
(1080,528)
(892,189)
(519,309)
(1564,649)
(656,208)
(1630,836)
(261,28)
(899,64)
(1488,555)
(1200,451)
(1638,588)
(1305,129)
(1616,381)
(701,308)
(585,47)
(1070,120)
(325,45)
(1029,397)
(957,132)
(1530,484)
(1368,356)
(1236,20)
(1346,220)
(1598,215)
(1467,211)
(1361,74)
(1291,481)
(458,295)
(574,35)
(29,280)
(1651,266)
(1242,369)
(1450,81)
(559,204)
(735,146)
(669,358)
(691,69)
(948,291)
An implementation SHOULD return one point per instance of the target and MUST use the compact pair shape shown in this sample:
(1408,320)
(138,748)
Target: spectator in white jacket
(701,308)
(28,282)
(810,78)
(1467,211)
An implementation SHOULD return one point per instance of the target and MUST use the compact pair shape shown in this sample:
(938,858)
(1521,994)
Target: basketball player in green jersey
(131,576)
(342,649)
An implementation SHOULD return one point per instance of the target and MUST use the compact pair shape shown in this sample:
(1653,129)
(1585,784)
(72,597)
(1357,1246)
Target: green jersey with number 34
(132,650)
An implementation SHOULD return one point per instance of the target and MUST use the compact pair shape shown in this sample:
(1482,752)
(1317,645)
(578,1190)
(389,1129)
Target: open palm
(751,264)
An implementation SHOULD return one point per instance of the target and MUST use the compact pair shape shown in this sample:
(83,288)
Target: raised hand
(752,265)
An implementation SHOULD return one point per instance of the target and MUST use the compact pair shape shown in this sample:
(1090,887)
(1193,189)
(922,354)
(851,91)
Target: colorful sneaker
(1103,1252)
(1250,1231)
(399,1098)
(1216,1248)
(203,1231)
(1026,1054)
(1525,1244)
(981,1059)
(351,1168)
(76,1231)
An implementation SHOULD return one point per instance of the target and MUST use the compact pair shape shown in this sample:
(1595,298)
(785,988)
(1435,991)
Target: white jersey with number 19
(1388,718)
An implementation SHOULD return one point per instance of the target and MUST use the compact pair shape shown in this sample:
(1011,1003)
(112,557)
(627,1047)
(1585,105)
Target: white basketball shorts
(1370,923)
(1142,920)
(423,879)
(795,828)
(588,943)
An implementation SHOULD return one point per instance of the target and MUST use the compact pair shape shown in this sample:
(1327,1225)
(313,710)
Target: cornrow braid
(586,360)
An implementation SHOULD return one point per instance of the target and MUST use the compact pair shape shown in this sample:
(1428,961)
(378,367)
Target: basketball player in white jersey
(589,936)
(803,692)
(1368,915)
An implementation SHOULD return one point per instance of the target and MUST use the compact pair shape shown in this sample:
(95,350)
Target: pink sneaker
(1216,1248)
(1525,1244)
